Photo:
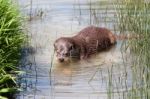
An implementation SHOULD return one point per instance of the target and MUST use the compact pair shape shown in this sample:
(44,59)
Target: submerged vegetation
(134,19)
(11,40)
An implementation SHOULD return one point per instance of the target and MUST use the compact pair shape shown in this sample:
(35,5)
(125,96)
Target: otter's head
(63,48)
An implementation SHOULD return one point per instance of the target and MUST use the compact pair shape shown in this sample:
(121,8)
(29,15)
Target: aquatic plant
(134,19)
(11,40)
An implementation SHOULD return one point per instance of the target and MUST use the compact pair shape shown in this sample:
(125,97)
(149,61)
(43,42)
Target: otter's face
(63,49)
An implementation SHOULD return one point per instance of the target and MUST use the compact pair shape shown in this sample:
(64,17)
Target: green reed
(11,41)
(134,19)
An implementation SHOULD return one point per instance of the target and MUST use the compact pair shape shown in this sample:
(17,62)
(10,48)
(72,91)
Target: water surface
(94,78)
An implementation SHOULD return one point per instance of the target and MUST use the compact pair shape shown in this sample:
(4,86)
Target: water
(94,78)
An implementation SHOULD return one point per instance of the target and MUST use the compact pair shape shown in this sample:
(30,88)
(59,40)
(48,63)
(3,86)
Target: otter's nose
(61,60)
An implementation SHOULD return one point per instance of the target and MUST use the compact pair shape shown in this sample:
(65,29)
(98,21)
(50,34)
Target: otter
(88,41)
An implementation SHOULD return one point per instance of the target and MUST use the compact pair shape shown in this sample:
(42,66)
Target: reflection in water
(93,78)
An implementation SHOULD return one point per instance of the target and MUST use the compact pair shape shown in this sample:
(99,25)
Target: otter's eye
(65,54)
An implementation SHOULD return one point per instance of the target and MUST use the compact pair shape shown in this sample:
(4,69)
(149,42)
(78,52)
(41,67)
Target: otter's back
(96,33)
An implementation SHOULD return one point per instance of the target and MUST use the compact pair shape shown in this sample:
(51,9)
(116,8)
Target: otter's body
(88,41)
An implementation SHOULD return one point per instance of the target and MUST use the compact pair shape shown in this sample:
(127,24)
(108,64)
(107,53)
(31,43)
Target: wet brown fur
(88,41)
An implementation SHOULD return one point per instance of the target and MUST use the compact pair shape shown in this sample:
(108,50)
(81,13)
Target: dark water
(100,77)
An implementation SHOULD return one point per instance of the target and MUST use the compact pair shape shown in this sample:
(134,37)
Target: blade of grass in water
(134,19)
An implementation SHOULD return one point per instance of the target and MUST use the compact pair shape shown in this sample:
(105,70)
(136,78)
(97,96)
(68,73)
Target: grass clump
(11,40)
(134,19)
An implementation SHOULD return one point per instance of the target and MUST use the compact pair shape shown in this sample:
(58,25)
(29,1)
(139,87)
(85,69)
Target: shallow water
(94,78)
